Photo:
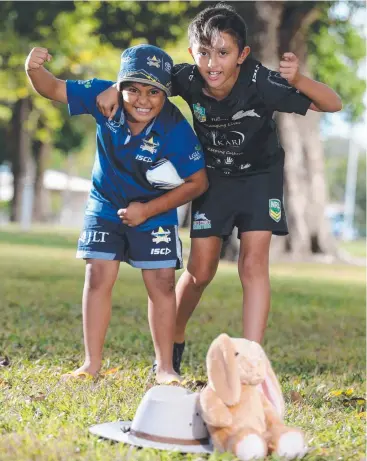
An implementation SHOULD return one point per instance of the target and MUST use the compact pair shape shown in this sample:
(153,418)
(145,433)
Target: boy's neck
(136,127)
(224,90)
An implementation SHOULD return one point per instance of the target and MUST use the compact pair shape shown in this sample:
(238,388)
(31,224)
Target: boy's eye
(223,53)
(154,92)
(203,53)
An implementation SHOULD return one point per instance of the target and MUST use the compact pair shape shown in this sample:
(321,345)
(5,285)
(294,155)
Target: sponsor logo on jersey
(85,83)
(160,251)
(229,139)
(93,236)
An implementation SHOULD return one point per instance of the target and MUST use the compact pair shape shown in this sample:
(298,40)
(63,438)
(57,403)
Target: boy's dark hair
(219,18)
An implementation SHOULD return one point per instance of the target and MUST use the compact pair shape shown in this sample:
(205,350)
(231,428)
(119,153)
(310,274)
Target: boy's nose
(212,61)
(143,99)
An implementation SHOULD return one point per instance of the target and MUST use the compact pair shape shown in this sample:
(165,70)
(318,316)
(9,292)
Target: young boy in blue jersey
(145,129)
(233,98)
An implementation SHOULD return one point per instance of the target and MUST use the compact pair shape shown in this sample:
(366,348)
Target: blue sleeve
(183,149)
(82,96)
(278,94)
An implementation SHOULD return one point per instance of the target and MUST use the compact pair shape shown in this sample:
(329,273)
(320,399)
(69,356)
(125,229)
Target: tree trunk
(41,153)
(22,160)
(276,27)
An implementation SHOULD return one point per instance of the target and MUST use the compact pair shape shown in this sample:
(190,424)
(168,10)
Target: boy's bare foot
(164,377)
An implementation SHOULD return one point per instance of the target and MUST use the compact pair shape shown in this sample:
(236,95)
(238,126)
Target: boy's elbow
(204,185)
(336,106)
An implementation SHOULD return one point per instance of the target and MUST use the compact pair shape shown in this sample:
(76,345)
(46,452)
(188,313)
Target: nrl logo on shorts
(161,235)
(149,145)
(275,209)
(153,61)
(199,112)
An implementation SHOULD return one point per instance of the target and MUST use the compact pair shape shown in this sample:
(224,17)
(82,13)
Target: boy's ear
(245,52)
(190,51)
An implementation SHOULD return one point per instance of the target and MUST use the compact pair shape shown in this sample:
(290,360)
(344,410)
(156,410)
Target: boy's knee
(253,266)
(201,278)
(165,280)
(97,278)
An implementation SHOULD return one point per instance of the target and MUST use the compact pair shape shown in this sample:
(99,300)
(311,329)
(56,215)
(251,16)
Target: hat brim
(114,431)
(142,80)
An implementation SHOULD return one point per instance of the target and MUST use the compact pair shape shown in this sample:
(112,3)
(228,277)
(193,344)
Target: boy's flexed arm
(42,80)
(137,213)
(324,99)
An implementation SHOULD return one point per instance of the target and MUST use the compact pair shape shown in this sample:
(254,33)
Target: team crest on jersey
(201,221)
(199,112)
(161,235)
(149,145)
(153,61)
(275,209)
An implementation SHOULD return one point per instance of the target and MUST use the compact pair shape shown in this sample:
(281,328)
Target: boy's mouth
(142,111)
(214,75)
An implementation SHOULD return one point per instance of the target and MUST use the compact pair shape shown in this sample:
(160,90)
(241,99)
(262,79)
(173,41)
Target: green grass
(355,247)
(315,339)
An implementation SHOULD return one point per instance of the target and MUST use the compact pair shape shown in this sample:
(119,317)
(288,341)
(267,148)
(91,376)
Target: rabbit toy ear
(223,373)
(272,390)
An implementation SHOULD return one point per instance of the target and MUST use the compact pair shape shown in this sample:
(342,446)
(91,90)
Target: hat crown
(170,412)
(146,64)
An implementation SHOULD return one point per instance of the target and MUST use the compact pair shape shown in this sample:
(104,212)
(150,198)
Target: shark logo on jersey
(245,166)
(161,235)
(149,145)
(153,61)
(247,113)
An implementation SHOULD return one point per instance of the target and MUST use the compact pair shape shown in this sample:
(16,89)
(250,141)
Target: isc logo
(143,159)
(160,251)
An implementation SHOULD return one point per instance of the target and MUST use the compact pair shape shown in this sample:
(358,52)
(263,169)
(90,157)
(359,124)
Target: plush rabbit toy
(239,415)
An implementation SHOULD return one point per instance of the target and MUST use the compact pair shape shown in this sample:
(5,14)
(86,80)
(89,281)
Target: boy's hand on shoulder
(36,58)
(136,213)
(289,68)
(108,102)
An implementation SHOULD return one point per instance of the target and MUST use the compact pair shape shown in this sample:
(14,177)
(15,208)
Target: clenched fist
(289,68)
(36,58)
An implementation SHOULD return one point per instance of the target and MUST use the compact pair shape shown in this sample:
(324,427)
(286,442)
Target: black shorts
(113,241)
(250,203)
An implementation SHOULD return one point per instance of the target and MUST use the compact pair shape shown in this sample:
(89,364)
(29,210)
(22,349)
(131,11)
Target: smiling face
(142,102)
(219,64)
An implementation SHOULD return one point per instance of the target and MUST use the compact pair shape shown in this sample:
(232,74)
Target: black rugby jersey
(238,133)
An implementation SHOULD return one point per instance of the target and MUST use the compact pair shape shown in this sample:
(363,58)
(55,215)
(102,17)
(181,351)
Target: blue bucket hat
(146,64)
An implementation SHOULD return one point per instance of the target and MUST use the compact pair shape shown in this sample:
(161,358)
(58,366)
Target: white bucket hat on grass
(167,419)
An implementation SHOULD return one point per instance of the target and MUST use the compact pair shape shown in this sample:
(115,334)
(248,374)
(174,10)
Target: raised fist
(37,58)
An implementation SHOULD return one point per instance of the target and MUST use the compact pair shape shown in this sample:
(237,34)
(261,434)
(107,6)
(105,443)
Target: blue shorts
(113,241)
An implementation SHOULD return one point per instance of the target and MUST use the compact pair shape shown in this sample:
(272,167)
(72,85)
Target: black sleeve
(278,94)
(181,79)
